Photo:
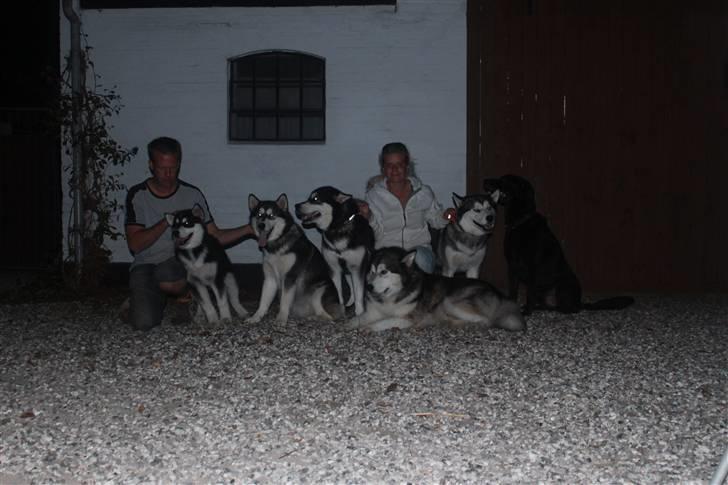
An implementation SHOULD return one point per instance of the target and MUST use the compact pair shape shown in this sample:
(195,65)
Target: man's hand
(139,238)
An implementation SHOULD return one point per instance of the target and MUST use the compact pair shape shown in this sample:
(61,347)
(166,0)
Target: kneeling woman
(400,207)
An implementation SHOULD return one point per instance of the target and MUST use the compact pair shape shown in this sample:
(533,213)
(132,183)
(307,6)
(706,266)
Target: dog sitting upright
(209,270)
(401,295)
(293,268)
(462,244)
(534,255)
(347,239)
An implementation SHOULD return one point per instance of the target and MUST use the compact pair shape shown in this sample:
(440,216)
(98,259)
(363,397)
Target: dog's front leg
(233,294)
(357,287)
(286,300)
(267,293)
(207,305)
(473,272)
(332,259)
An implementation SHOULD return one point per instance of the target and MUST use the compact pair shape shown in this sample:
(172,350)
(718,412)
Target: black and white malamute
(209,270)
(293,268)
(401,295)
(463,243)
(347,239)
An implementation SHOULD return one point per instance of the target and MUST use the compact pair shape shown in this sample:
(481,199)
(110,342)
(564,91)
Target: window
(277,96)
(102,4)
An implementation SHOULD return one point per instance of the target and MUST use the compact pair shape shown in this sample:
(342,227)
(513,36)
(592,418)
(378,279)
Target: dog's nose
(490,218)
(370,287)
(261,226)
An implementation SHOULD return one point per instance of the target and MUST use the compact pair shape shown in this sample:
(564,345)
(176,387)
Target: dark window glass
(277,96)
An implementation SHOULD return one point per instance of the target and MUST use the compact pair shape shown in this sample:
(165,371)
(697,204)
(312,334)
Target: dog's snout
(261,226)
(370,287)
(490,218)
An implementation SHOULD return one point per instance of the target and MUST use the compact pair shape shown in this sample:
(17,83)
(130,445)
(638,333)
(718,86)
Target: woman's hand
(450,214)
(363,209)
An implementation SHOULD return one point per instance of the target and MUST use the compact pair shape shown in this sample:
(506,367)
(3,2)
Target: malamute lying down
(401,295)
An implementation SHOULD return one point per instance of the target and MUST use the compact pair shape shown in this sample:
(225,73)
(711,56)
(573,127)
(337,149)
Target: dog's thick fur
(209,270)
(534,254)
(462,244)
(293,268)
(347,239)
(400,295)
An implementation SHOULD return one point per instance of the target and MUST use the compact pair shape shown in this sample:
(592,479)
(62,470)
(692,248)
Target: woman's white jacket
(405,227)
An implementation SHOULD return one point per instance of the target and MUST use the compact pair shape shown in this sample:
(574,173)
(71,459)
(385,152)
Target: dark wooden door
(618,114)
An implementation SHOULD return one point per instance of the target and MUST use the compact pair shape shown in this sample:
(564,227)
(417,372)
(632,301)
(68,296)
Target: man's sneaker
(178,311)
(124,311)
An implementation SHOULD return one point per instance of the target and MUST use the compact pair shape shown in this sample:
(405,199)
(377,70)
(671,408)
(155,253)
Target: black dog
(534,255)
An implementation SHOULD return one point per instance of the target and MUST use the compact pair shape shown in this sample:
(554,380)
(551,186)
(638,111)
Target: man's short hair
(166,146)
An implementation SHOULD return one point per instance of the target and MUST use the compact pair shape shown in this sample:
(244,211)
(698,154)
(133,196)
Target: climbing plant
(94,182)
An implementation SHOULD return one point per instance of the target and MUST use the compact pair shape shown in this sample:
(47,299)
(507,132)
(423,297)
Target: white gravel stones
(633,396)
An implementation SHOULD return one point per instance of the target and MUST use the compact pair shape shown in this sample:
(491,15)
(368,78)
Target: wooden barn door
(618,114)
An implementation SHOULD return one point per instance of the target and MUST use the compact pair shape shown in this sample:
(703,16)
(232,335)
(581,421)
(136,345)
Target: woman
(400,207)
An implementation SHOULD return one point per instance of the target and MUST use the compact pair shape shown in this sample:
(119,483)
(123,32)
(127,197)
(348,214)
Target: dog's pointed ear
(456,200)
(496,195)
(282,202)
(169,217)
(409,258)
(342,197)
(253,202)
(198,212)
(491,185)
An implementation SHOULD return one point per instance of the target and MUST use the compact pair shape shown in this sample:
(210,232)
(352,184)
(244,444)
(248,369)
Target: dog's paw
(354,323)
(281,319)
(255,318)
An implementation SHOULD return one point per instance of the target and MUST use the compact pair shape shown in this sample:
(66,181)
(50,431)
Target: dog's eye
(383,272)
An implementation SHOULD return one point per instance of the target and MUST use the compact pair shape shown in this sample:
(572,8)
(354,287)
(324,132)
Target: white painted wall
(393,74)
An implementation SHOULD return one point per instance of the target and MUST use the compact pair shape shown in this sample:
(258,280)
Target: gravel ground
(637,396)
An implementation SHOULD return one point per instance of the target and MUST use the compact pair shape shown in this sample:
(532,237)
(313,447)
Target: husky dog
(292,266)
(462,244)
(401,295)
(534,254)
(347,239)
(209,270)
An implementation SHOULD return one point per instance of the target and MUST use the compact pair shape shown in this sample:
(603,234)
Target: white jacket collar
(414,181)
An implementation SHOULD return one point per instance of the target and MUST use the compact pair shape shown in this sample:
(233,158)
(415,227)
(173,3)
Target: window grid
(277,96)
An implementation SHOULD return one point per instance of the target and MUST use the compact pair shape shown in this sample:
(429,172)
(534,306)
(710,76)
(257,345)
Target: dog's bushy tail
(613,303)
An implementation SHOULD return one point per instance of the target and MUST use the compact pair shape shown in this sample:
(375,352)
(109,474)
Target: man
(155,272)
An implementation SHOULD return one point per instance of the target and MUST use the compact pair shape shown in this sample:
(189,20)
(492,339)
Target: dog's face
(511,191)
(268,218)
(476,213)
(391,271)
(187,227)
(324,206)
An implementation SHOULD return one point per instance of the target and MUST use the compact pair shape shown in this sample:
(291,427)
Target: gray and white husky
(209,270)
(293,269)
(462,244)
(347,239)
(401,295)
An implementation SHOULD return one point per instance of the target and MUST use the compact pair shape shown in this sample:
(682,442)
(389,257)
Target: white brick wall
(393,74)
